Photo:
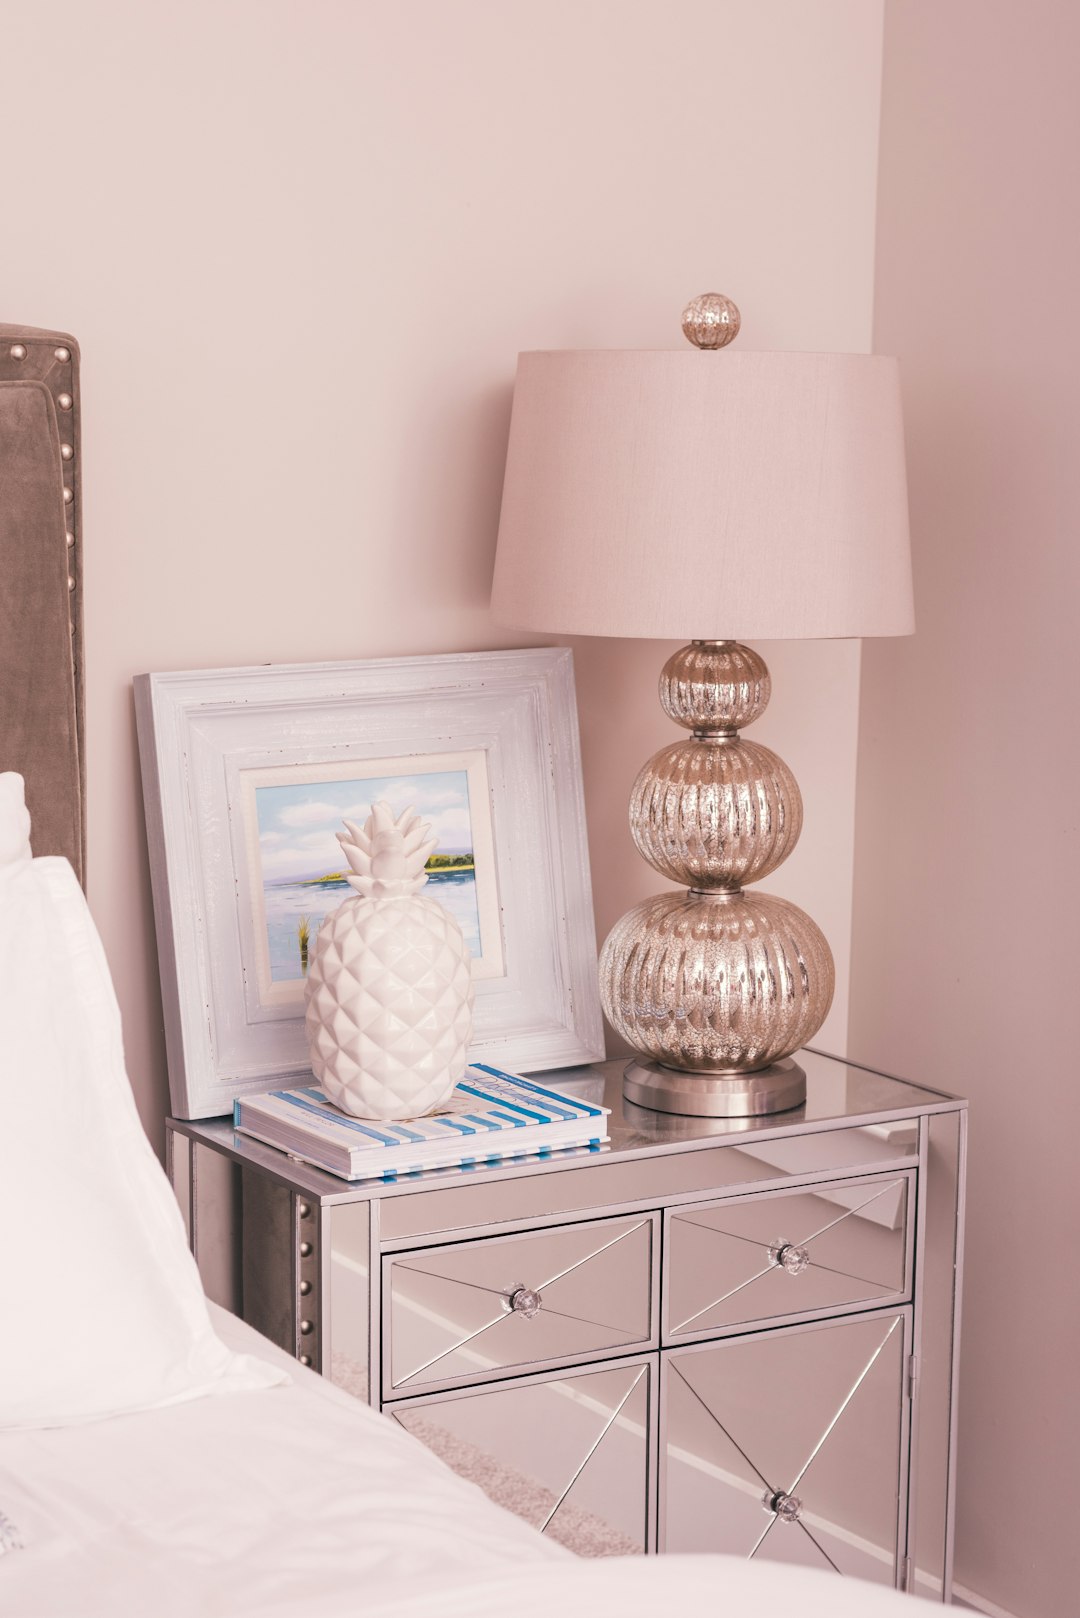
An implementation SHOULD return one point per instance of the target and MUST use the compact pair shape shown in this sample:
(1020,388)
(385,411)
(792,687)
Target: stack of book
(491,1116)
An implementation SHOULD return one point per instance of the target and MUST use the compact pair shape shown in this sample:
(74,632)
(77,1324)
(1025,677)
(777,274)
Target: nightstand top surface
(839,1095)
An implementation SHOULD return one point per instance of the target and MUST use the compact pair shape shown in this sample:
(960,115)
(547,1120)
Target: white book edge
(404,1169)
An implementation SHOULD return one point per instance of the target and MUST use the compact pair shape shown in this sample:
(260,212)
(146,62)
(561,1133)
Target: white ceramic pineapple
(389,991)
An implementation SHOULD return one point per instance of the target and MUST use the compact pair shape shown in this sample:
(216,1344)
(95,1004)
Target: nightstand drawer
(474,1310)
(790,1445)
(569,1451)
(784,1255)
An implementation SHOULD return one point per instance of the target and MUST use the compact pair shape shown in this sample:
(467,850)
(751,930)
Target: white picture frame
(211,740)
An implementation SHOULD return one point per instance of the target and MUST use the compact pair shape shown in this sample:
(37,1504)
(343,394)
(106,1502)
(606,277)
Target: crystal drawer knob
(524,1301)
(785,1506)
(786,1256)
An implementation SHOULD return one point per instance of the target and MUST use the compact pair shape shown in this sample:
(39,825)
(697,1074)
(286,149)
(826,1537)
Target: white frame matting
(200,731)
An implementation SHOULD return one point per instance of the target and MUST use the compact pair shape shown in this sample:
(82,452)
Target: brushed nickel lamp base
(776,1088)
(714,986)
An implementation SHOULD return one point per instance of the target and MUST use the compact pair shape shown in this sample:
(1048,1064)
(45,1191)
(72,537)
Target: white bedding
(299,1502)
(107,1279)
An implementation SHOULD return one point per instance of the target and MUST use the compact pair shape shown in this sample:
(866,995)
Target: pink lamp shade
(683,494)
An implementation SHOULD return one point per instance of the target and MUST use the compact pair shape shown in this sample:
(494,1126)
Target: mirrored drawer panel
(790,1446)
(473,1310)
(567,1452)
(784,1254)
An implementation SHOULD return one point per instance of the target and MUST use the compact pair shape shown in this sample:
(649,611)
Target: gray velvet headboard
(41,642)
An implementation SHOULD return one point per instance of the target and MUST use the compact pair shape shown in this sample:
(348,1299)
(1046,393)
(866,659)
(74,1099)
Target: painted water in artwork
(303,867)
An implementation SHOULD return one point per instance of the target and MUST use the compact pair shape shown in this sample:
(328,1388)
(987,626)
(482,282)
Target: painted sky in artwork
(298,822)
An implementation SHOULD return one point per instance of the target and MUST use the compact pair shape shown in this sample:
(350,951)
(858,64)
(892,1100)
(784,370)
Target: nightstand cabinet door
(569,1453)
(472,1310)
(775,1255)
(789,1445)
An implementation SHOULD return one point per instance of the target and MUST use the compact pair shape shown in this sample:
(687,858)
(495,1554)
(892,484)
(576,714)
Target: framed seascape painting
(292,815)
(249,774)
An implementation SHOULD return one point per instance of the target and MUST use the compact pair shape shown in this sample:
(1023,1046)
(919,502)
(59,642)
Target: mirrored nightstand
(711,1335)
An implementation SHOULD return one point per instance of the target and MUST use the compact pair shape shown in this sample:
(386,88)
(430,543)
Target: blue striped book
(490,1116)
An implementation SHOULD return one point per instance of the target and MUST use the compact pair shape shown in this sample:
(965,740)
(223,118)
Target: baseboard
(963,1597)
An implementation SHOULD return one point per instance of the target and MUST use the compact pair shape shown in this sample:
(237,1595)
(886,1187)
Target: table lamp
(725,496)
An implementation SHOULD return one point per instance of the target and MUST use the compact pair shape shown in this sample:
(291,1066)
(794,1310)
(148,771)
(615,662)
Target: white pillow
(102,1308)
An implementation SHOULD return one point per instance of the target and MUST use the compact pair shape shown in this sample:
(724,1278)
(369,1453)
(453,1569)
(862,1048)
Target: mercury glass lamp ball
(711,321)
(716,983)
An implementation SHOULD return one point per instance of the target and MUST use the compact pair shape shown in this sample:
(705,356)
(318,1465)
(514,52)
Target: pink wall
(965,948)
(301,245)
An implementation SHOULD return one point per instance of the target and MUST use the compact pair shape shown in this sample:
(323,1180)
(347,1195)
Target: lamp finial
(711,321)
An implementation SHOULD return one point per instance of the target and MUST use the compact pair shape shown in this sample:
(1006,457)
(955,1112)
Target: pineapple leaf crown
(387,856)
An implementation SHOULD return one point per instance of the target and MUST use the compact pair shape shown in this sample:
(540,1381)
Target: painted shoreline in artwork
(288,903)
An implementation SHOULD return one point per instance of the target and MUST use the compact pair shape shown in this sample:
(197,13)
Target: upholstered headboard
(41,643)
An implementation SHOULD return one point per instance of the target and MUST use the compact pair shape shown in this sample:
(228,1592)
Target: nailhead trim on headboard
(28,354)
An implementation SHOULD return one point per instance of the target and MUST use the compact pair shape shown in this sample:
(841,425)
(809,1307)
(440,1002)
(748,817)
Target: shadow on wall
(449,485)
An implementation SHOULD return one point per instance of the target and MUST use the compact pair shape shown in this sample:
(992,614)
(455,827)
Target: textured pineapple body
(389,1000)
